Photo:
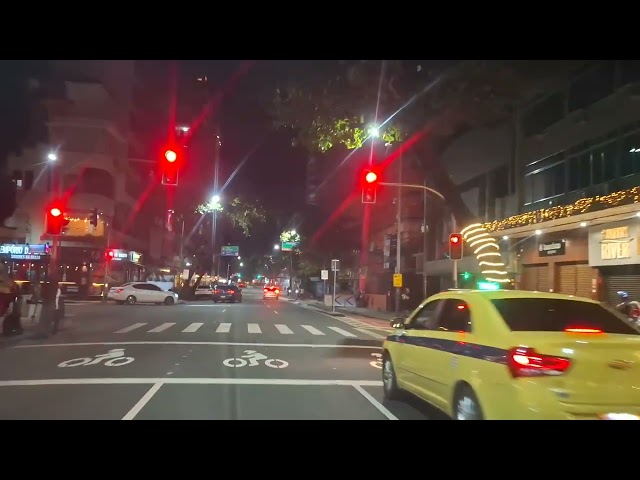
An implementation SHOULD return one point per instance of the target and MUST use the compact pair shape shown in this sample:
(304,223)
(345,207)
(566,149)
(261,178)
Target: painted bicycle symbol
(377,362)
(114,358)
(253,358)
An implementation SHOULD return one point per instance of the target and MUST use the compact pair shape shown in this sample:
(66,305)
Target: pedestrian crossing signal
(369,194)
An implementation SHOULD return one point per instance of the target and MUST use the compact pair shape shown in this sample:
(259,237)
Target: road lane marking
(131,327)
(193,327)
(206,344)
(187,381)
(161,328)
(283,329)
(253,328)
(131,414)
(275,311)
(312,330)
(342,332)
(371,334)
(381,408)
(223,328)
(224,310)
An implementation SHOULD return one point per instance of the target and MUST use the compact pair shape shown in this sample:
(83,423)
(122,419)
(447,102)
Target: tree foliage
(410,96)
(242,214)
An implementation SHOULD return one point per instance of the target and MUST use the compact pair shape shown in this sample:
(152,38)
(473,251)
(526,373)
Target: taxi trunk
(581,367)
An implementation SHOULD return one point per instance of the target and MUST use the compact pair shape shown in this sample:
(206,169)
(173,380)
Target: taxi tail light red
(582,330)
(526,362)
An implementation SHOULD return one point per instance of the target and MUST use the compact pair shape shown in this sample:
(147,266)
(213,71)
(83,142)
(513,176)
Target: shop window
(591,86)
(630,155)
(544,114)
(579,172)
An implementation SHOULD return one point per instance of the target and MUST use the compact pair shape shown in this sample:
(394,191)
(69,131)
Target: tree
(445,101)
(21,122)
(242,214)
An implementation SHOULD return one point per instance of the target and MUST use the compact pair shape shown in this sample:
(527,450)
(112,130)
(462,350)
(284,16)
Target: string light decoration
(584,205)
(487,251)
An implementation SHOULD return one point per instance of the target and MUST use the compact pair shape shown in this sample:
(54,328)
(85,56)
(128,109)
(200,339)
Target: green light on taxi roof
(488,286)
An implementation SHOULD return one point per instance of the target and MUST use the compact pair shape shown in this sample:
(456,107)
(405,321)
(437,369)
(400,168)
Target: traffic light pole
(399,232)
(455,262)
(106,265)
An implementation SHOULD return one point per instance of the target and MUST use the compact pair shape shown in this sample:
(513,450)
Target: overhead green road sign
(230,251)
(288,246)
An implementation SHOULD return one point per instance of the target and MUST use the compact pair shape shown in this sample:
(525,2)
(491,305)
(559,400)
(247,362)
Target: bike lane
(192,381)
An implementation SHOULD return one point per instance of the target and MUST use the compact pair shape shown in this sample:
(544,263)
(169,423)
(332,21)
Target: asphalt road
(200,361)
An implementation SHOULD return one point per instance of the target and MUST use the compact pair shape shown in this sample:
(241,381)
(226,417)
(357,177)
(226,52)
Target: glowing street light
(374,131)
(52,157)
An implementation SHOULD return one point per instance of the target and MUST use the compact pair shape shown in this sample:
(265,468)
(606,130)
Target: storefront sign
(550,249)
(615,244)
(135,257)
(121,255)
(25,251)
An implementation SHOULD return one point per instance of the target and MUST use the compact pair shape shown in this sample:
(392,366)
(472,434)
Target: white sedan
(142,292)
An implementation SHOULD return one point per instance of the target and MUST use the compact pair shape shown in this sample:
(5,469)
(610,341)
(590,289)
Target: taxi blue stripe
(464,349)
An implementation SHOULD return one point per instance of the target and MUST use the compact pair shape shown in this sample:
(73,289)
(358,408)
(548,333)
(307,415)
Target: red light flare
(455,239)
(334,215)
(56,212)
(170,155)
(370,177)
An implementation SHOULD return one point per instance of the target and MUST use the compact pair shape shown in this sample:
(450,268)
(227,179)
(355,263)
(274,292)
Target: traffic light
(370,187)
(93,218)
(109,254)
(56,220)
(170,161)
(455,246)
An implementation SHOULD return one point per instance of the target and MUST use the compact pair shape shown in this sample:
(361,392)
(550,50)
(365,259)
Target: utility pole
(399,231)
(425,243)
(216,180)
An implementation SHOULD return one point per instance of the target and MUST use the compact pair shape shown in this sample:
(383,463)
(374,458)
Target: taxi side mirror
(397,322)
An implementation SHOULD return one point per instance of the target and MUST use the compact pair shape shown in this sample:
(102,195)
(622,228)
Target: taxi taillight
(526,362)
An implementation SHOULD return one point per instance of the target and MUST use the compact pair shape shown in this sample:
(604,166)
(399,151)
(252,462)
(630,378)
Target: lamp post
(215,204)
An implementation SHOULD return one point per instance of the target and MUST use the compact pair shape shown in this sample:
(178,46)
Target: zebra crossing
(226,328)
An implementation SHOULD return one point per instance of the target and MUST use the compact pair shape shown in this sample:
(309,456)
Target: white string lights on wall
(487,251)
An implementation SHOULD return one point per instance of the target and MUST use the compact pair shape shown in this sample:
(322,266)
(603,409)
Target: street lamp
(215,204)
(276,247)
(52,157)
(374,131)
(241,264)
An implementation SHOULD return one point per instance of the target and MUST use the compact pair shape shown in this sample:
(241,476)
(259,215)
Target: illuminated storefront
(26,261)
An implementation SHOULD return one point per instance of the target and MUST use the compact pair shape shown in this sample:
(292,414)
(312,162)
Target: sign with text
(324,274)
(614,244)
(335,265)
(551,249)
(24,251)
(288,246)
(230,251)
(397,280)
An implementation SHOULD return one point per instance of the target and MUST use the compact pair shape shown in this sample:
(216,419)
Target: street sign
(288,246)
(335,265)
(230,251)
(324,274)
(397,280)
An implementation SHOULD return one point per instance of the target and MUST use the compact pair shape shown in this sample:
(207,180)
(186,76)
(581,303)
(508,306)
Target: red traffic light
(454,239)
(371,177)
(109,254)
(171,156)
(55,212)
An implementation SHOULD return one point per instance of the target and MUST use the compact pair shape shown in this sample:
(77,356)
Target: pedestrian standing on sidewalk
(405,300)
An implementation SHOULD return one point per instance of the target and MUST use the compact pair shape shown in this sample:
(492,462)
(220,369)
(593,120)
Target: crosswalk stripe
(131,327)
(312,330)
(161,328)
(193,327)
(223,328)
(342,332)
(254,328)
(283,329)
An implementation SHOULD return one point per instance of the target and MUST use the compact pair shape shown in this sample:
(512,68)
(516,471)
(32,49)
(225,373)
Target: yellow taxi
(515,355)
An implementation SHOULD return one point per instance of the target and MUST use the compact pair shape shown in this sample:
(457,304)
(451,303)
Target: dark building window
(579,172)
(28,180)
(96,181)
(630,155)
(544,114)
(592,85)
(546,183)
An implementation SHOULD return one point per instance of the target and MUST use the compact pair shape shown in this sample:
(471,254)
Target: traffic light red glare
(369,187)
(171,156)
(456,246)
(55,221)
(108,255)
(370,177)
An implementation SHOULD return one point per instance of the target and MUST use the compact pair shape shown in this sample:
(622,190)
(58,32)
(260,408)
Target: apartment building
(577,175)
(84,161)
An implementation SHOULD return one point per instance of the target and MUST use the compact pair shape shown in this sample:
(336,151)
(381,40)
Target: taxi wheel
(169,301)
(466,405)
(389,381)
(131,300)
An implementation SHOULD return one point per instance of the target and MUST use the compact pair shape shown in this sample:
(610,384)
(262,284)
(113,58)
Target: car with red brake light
(227,293)
(515,355)
(271,292)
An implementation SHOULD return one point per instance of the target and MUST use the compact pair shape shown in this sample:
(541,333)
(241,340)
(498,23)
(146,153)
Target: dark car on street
(227,293)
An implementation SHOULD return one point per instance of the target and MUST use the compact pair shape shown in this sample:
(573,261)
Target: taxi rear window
(554,315)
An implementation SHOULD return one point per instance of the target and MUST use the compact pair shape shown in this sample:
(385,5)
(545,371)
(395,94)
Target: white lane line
(371,334)
(223,328)
(131,414)
(131,327)
(204,344)
(275,311)
(381,408)
(186,381)
(253,328)
(192,328)
(161,328)
(224,310)
(342,332)
(312,330)
(283,329)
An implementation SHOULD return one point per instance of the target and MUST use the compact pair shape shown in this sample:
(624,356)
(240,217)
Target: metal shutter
(535,277)
(575,279)
(627,283)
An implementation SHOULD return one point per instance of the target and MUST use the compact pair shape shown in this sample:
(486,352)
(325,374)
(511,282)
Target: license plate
(618,416)
(223,296)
